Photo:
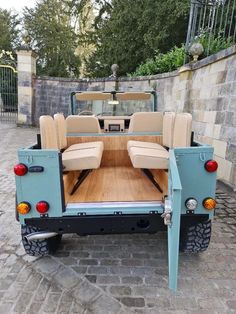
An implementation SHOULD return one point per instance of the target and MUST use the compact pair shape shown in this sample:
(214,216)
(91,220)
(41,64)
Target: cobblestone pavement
(110,274)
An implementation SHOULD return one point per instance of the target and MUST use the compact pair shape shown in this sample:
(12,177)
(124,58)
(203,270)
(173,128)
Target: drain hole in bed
(102,229)
(143,223)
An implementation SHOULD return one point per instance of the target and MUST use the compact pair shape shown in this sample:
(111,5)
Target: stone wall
(207,89)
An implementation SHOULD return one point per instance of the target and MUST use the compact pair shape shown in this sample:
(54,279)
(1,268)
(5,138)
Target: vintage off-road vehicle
(116,165)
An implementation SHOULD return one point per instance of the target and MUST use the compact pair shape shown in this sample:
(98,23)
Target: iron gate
(8,93)
(215,20)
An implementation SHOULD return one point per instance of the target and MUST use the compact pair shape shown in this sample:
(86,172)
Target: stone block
(209,130)
(21,118)
(220,117)
(216,131)
(24,91)
(232,103)
(66,278)
(224,169)
(222,103)
(104,304)
(221,77)
(220,148)
(207,140)
(218,66)
(230,119)
(120,290)
(231,153)
(233,89)
(225,89)
(209,116)
(85,293)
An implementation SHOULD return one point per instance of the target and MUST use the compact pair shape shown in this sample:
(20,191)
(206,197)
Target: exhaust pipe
(41,235)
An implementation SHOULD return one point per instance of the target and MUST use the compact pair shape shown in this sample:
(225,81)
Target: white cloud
(16,5)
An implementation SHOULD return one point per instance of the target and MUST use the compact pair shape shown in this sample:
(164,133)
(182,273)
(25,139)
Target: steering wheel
(104,113)
(85,113)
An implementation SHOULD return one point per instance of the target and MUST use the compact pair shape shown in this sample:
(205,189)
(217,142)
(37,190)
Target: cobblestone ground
(110,274)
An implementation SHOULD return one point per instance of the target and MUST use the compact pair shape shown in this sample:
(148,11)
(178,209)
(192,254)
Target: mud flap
(175,189)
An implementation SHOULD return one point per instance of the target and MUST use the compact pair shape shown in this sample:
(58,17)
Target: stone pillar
(185,81)
(26,66)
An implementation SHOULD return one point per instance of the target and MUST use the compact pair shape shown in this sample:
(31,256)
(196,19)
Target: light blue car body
(187,178)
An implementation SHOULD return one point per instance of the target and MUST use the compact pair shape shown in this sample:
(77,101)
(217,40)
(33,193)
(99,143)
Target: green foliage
(9,38)
(128,32)
(162,63)
(53,27)
(213,43)
(174,59)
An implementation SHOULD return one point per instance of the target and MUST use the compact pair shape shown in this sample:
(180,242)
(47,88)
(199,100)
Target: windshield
(111,104)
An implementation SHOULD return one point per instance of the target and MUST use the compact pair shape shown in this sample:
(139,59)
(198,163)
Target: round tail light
(42,207)
(211,166)
(209,203)
(23,208)
(20,170)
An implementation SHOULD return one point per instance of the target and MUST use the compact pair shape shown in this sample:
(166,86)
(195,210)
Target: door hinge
(167,215)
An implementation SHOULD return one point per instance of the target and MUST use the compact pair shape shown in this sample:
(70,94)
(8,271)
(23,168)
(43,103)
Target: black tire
(39,247)
(195,238)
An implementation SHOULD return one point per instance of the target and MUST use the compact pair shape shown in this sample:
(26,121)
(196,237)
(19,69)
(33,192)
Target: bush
(174,59)
(161,63)
(213,44)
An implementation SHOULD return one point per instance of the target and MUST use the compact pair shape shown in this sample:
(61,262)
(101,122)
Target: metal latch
(167,215)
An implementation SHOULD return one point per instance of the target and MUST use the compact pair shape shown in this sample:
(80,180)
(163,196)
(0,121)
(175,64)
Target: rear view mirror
(113,102)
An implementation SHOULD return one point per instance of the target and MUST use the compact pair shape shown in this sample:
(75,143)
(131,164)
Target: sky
(16,5)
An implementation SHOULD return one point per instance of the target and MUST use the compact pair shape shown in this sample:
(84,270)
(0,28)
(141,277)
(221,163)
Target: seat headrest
(48,133)
(60,124)
(182,130)
(168,128)
(146,122)
(82,124)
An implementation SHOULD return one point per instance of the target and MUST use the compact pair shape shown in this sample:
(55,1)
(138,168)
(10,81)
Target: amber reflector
(23,208)
(209,203)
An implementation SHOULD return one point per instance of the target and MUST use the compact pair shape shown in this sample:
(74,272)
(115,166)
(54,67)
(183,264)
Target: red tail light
(211,166)
(20,170)
(42,207)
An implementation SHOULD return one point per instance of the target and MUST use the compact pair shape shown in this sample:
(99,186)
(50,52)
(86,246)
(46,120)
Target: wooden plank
(115,184)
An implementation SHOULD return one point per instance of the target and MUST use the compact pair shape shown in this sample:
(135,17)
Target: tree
(9,35)
(130,31)
(53,26)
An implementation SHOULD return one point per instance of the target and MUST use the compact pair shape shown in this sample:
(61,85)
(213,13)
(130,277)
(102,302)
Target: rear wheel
(39,247)
(195,238)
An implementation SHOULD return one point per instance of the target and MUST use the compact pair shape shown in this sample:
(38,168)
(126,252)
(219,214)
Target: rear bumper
(109,224)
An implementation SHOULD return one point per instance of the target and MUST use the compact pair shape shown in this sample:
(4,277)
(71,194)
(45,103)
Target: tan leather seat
(147,158)
(176,133)
(82,124)
(76,157)
(146,122)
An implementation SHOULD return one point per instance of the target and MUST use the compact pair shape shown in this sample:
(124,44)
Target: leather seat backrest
(182,130)
(82,124)
(168,129)
(60,124)
(48,133)
(146,122)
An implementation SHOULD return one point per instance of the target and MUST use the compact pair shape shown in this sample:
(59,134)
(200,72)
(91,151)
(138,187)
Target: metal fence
(213,21)
(8,94)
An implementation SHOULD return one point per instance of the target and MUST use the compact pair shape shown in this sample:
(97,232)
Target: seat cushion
(85,146)
(82,159)
(144,145)
(83,156)
(147,158)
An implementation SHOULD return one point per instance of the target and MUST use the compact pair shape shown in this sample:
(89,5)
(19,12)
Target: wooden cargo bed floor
(114,184)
